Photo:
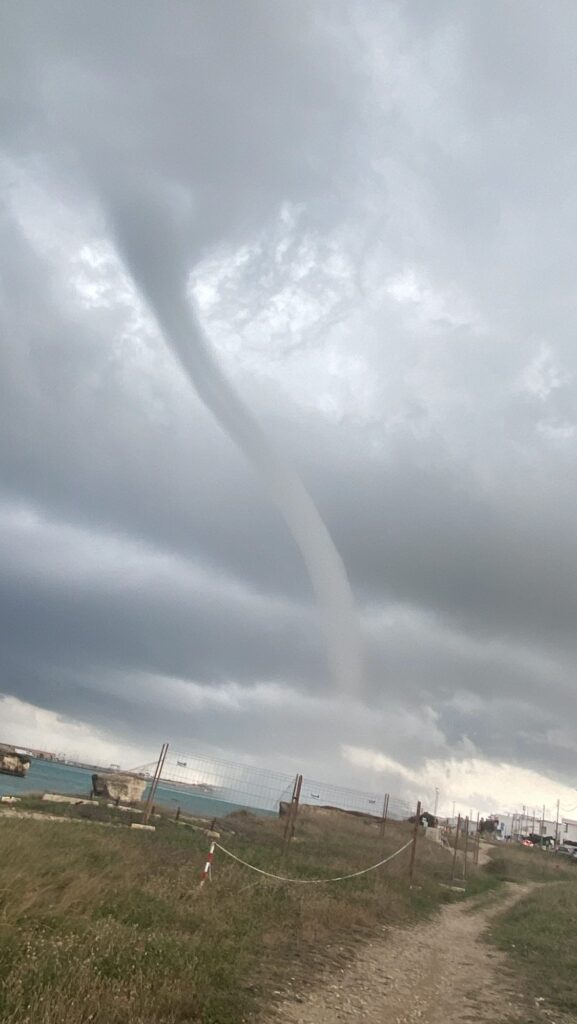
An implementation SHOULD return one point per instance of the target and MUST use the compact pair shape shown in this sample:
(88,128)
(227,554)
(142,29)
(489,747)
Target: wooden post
(466,848)
(385,813)
(457,834)
(155,781)
(414,845)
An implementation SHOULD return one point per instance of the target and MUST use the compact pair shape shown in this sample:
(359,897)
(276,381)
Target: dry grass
(108,926)
(514,863)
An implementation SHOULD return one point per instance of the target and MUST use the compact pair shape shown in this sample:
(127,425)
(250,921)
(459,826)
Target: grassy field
(106,925)
(521,864)
(539,934)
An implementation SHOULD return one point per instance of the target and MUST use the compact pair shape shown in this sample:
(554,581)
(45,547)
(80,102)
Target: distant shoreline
(114,770)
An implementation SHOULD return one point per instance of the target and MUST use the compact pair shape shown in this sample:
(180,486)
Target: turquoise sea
(51,777)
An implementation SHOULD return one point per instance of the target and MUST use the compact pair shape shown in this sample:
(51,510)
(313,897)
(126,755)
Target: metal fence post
(477,842)
(466,848)
(292,813)
(384,814)
(457,834)
(155,781)
(414,845)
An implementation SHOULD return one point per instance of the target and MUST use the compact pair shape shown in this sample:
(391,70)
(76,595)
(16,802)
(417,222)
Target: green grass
(538,933)
(96,810)
(104,925)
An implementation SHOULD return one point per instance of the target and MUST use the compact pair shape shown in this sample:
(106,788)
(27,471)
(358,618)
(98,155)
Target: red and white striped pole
(207,866)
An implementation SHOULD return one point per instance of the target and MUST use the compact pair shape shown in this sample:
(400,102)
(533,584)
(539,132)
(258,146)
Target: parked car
(544,842)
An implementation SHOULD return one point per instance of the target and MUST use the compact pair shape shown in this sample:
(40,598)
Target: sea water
(55,777)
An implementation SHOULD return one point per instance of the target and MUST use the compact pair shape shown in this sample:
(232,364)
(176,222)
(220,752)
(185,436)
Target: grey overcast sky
(375,207)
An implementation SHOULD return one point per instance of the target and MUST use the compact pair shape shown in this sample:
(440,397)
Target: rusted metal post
(296,804)
(292,813)
(477,841)
(466,848)
(455,852)
(384,814)
(155,781)
(414,845)
(288,819)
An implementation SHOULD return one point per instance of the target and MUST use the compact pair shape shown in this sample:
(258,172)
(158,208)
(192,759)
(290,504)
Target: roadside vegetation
(513,863)
(538,932)
(101,924)
(107,925)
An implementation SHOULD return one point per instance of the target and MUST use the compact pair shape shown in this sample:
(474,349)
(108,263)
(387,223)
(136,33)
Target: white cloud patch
(543,375)
(470,782)
(25,725)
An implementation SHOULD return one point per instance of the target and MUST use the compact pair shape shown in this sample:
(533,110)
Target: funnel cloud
(147,240)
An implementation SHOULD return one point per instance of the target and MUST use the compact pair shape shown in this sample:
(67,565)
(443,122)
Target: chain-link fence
(210,787)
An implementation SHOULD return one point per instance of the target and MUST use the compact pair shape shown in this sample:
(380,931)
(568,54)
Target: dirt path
(441,972)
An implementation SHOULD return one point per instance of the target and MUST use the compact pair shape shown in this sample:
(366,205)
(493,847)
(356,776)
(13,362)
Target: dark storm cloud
(436,144)
(424,531)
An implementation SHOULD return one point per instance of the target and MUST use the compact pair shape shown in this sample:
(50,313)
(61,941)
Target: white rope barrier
(314,881)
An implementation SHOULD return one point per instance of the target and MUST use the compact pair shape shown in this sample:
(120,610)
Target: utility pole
(453,816)
(557,825)
(436,800)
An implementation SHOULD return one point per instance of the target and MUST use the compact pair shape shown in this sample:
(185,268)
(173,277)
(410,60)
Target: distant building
(568,831)
(41,755)
(517,826)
